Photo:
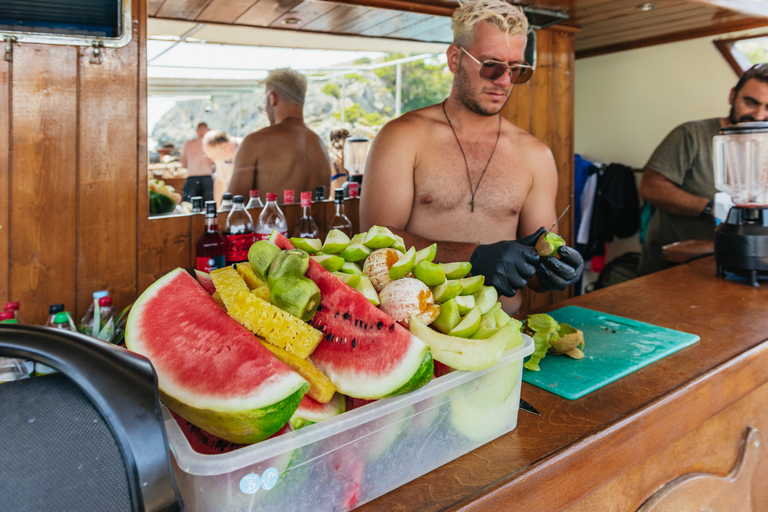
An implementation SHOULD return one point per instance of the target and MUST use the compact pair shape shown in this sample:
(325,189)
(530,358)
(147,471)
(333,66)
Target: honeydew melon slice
(357,250)
(472,284)
(308,245)
(426,254)
(403,265)
(330,262)
(468,325)
(379,237)
(335,242)
(465,303)
(486,298)
(446,291)
(210,370)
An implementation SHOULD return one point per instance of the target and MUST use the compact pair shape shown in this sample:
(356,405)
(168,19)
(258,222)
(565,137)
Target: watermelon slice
(364,352)
(311,411)
(211,371)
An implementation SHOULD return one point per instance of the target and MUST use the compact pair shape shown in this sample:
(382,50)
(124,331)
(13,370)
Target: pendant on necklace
(472,205)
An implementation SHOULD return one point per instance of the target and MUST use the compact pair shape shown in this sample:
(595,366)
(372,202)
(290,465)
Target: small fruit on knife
(407,296)
(548,244)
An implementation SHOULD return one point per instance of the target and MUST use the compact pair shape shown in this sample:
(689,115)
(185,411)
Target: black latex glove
(507,265)
(557,274)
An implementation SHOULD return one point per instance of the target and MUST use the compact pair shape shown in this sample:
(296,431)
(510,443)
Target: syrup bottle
(239,232)
(211,246)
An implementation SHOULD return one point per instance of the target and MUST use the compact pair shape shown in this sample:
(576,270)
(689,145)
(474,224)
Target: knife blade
(558,219)
(525,406)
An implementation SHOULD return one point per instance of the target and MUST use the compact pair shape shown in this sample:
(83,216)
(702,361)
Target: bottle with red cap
(271,218)
(239,232)
(254,200)
(211,247)
(10,367)
(289,196)
(13,307)
(306,227)
(354,189)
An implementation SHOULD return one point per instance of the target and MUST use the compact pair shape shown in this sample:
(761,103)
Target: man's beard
(743,119)
(463,87)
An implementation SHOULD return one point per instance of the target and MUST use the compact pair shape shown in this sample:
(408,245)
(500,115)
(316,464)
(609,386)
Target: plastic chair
(89,438)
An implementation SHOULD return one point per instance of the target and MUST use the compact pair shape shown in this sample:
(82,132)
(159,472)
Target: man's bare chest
(446,179)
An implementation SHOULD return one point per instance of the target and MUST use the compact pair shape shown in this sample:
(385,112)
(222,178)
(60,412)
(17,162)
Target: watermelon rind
(415,367)
(311,411)
(211,371)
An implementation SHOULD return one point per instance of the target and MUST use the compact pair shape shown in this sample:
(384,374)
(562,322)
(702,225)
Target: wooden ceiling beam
(751,7)
(442,9)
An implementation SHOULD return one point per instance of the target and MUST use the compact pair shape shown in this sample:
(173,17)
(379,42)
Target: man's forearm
(667,196)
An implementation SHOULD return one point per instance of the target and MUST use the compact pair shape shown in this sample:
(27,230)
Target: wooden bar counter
(615,447)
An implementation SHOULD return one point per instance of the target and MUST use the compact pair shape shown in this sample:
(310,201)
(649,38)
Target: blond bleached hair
(502,15)
(289,84)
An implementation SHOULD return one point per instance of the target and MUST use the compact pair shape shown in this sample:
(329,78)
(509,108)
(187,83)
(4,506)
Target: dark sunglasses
(493,69)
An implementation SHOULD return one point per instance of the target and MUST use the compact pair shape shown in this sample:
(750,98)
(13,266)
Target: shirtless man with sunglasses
(459,173)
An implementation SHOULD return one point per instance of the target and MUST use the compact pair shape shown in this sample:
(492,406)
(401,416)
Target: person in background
(461,174)
(199,167)
(286,154)
(339,174)
(679,178)
(221,148)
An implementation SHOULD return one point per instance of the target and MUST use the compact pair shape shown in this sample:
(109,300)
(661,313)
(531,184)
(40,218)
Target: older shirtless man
(199,167)
(459,173)
(286,154)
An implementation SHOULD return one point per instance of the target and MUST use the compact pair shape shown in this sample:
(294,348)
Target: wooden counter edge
(607,453)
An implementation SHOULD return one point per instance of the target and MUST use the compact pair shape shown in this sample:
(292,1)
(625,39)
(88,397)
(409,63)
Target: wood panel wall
(544,107)
(73,156)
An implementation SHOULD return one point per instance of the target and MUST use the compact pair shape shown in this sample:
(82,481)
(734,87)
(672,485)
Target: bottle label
(210,263)
(265,236)
(238,245)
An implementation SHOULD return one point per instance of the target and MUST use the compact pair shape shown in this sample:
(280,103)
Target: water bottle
(306,226)
(226,202)
(254,200)
(340,220)
(271,218)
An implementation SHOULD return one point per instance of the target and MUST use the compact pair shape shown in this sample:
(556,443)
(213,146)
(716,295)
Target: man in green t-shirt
(679,179)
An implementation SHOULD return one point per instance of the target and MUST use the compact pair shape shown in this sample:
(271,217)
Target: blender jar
(741,163)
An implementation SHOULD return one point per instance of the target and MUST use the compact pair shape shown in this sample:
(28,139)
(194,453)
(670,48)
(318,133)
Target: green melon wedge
(379,237)
(369,292)
(357,250)
(335,242)
(330,262)
(350,267)
(463,353)
(456,270)
(486,298)
(308,245)
(179,327)
(352,280)
(465,303)
(468,325)
(446,291)
(398,244)
(431,274)
(448,318)
(403,265)
(426,254)
(472,284)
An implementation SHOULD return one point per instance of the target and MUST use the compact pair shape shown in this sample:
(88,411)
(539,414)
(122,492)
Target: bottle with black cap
(340,220)
(320,193)
(197,204)
(226,202)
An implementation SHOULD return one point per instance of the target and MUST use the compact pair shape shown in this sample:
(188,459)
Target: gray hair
(289,84)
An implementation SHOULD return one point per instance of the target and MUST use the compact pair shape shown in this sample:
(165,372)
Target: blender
(355,155)
(741,171)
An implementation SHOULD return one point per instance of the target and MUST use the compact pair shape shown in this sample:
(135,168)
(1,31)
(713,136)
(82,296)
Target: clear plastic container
(357,456)
(99,320)
(10,367)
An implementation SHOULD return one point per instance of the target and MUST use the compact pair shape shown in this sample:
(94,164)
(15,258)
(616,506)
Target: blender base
(741,244)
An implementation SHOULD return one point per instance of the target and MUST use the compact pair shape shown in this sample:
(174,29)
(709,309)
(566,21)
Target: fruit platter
(320,375)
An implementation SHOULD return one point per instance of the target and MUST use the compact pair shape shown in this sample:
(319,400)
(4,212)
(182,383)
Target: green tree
(423,84)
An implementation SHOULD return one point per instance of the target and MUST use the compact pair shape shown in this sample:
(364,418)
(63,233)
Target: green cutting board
(614,347)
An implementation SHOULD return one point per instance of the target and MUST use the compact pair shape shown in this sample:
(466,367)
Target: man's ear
(453,54)
(271,98)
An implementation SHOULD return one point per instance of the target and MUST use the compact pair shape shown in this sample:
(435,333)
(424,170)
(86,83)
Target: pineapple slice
(320,386)
(218,300)
(228,283)
(258,287)
(273,324)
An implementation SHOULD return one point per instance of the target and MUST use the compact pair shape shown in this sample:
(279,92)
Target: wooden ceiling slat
(425,25)
(367,20)
(264,12)
(306,11)
(225,11)
(679,23)
(153,6)
(440,34)
(182,9)
(336,17)
(403,21)
(621,9)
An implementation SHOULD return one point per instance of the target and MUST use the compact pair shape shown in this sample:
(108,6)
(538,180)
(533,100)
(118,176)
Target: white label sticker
(251,483)
(269,478)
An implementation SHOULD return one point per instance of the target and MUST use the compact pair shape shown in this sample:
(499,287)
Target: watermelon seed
(391,327)
(320,308)
(329,337)
(379,325)
(353,343)
(346,316)
(336,315)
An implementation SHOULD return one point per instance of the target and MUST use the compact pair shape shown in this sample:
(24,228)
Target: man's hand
(557,274)
(507,265)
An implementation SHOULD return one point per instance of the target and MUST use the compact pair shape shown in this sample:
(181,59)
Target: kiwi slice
(292,262)
(260,256)
(297,295)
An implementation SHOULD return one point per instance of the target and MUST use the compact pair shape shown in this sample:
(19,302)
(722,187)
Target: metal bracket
(97,47)
(9,40)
